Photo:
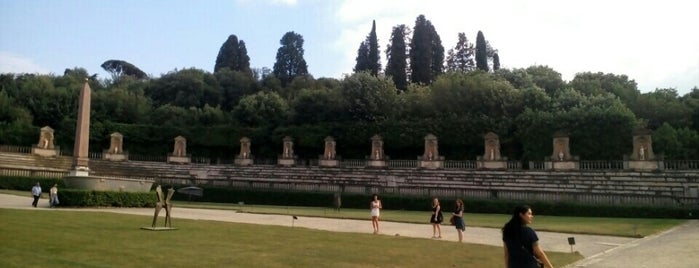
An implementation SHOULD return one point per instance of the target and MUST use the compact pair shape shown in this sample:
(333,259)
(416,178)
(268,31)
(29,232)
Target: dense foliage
(413,98)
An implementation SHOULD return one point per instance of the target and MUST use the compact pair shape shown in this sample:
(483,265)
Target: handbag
(452,220)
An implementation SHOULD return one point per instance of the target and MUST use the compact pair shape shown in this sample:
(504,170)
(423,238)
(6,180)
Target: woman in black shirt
(521,242)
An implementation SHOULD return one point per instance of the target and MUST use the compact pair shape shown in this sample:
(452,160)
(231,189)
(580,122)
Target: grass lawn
(57,238)
(628,227)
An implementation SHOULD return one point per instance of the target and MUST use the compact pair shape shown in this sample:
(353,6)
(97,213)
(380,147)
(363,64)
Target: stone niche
(642,156)
(116,151)
(431,159)
(329,157)
(244,158)
(491,158)
(376,157)
(287,158)
(179,152)
(45,145)
(561,159)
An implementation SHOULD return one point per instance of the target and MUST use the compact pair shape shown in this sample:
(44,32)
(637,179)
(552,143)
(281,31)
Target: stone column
(179,152)
(82,131)
(560,157)
(491,158)
(328,159)
(377,157)
(116,150)
(642,156)
(45,145)
(244,158)
(287,158)
(431,158)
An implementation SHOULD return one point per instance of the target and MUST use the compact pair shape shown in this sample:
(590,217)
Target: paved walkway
(673,248)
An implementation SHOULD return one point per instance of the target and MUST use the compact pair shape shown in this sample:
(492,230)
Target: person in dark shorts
(436,219)
(459,219)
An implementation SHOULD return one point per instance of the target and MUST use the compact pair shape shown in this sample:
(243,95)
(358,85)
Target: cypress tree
(362,58)
(426,52)
(374,57)
(228,54)
(396,54)
(368,58)
(481,52)
(496,62)
(421,52)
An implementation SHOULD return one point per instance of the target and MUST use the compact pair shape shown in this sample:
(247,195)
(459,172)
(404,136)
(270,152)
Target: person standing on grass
(436,219)
(53,196)
(375,207)
(36,193)
(459,219)
(521,243)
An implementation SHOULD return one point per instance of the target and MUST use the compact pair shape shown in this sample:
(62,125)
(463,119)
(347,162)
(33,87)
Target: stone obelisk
(82,133)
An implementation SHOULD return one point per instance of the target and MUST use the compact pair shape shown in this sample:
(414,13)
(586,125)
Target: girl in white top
(375,207)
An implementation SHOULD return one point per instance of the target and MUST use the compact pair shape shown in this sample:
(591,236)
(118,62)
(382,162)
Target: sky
(652,42)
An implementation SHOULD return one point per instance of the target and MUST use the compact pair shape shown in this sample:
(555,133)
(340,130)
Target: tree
(234,85)
(370,98)
(481,52)
(546,78)
(186,88)
(233,55)
(368,58)
(262,109)
(314,106)
(662,106)
(496,61)
(396,54)
(426,52)
(437,66)
(120,105)
(120,68)
(600,83)
(491,53)
(460,58)
(362,64)
(290,62)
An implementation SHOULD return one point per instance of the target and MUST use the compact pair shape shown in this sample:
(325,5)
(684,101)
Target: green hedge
(80,198)
(397,202)
(88,198)
(83,198)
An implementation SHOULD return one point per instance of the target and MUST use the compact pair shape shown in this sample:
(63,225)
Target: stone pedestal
(115,157)
(44,152)
(487,164)
(286,162)
(79,172)
(642,165)
(243,162)
(431,164)
(328,163)
(563,165)
(376,163)
(178,159)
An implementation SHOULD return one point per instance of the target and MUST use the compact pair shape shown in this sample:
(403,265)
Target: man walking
(36,192)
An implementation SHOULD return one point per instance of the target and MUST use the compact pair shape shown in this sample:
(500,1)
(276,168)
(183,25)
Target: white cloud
(652,42)
(11,63)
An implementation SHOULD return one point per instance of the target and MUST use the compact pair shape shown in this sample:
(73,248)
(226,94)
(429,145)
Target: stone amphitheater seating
(550,185)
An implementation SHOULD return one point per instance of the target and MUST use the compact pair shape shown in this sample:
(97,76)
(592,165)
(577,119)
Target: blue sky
(653,42)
